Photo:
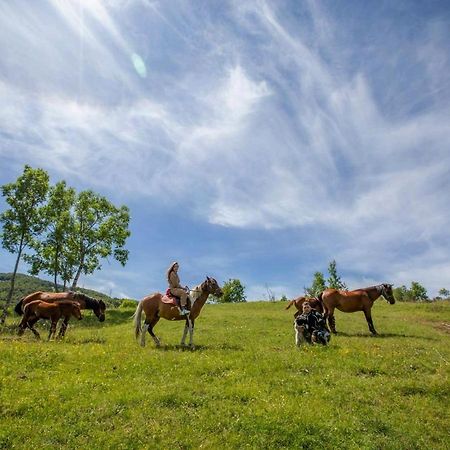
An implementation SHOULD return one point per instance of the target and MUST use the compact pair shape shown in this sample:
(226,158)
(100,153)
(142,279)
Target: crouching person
(310,327)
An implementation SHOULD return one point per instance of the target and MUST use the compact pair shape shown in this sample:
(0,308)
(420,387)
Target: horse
(86,302)
(357,300)
(155,306)
(298,303)
(38,309)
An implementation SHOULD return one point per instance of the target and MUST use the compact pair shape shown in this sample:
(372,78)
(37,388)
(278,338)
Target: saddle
(171,299)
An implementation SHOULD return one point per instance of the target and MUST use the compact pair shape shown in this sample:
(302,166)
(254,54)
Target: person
(176,289)
(310,327)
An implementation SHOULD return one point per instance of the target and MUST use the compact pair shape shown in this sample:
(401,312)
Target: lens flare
(139,65)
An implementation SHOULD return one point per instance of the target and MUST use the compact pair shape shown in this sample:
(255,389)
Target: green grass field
(245,385)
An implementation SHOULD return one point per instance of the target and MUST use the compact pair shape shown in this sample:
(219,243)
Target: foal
(38,309)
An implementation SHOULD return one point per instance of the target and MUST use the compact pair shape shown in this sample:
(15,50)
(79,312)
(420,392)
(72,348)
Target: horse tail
(290,304)
(321,302)
(18,307)
(137,319)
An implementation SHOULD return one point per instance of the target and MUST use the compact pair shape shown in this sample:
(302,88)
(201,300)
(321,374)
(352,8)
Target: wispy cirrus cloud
(258,116)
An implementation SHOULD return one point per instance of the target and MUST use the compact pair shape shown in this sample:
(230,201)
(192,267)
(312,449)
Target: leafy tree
(401,294)
(318,285)
(52,255)
(283,298)
(100,230)
(334,280)
(233,292)
(418,292)
(444,293)
(24,220)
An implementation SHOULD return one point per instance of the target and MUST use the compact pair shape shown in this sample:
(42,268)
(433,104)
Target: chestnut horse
(98,306)
(154,308)
(298,303)
(37,309)
(357,300)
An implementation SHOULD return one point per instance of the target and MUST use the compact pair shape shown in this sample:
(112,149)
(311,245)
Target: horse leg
(150,330)
(53,328)
(191,333)
(185,331)
(329,314)
(368,315)
(30,325)
(62,330)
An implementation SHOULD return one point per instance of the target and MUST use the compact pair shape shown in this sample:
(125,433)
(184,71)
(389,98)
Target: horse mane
(195,293)
(91,303)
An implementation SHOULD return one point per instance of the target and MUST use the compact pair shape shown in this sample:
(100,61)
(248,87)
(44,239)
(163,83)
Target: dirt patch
(443,326)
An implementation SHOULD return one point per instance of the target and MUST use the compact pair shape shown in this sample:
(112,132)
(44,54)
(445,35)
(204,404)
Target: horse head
(76,310)
(386,292)
(211,286)
(99,310)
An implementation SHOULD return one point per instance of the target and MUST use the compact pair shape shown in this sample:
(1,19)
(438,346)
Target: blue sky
(255,140)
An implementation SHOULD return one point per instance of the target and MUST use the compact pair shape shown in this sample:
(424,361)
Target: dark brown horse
(155,307)
(98,306)
(298,303)
(37,309)
(357,300)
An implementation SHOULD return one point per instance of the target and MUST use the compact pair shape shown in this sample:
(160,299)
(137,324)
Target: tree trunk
(11,289)
(77,276)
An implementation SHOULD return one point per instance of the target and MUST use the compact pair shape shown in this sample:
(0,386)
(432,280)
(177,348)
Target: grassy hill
(245,385)
(26,284)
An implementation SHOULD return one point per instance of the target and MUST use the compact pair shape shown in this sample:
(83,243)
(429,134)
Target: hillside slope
(26,284)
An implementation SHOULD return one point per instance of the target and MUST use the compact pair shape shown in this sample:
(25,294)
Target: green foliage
(233,292)
(318,285)
(283,298)
(245,385)
(23,221)
(52,254)
(444,293)
(100,230)
(128,303)
(416,293)
(334,280)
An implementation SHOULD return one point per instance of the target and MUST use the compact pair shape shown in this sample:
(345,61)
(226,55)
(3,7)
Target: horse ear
(209,279)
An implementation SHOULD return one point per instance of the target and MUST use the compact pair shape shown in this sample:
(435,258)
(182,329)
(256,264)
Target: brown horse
(37,309)
(154,308)
(298,303)
(98,306)
(357,300)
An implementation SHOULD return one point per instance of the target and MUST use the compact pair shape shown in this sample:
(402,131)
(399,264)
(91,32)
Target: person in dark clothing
(310,327)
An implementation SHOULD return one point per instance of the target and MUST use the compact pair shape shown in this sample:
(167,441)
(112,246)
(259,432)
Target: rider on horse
(176,289)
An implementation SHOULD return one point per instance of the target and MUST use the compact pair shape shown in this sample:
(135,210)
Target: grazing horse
(37,309)
(357,300)
(98,306)
(155,307)
(298,303)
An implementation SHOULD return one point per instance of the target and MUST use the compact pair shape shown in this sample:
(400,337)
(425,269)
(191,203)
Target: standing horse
(86,302)
(298,303)
(155,306)
(357,300)
(37,309)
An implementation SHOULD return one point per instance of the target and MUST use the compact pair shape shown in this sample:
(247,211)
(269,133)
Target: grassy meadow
(245,385)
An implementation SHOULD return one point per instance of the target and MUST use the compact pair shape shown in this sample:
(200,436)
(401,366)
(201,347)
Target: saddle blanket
(169,298)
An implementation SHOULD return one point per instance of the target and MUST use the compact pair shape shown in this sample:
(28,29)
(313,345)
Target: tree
(100,230)
(233,292)
(401,294)
(418,292)
(24,220)
(334,280)
(318,285)
(52,254)
(444,293)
